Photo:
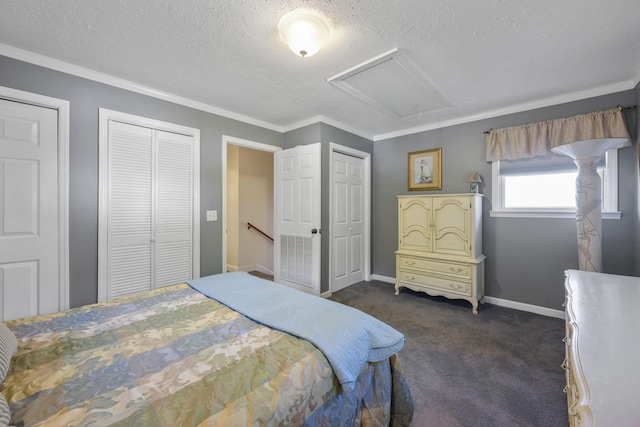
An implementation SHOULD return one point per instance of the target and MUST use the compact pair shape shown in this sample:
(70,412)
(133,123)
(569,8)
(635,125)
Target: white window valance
(537,139)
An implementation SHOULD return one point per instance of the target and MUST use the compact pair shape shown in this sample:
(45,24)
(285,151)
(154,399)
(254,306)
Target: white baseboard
(544,311)
(383,278)
(256,267)
(326,294)
(231,268)
(262,269)
(550,312)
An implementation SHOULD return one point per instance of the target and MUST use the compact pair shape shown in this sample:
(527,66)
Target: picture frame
(425,170)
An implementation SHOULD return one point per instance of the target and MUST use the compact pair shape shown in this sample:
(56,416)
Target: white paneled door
(348,215)
(297,212)
(148,235)
(29,240)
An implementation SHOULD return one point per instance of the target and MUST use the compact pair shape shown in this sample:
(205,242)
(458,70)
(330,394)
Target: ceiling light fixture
(305,31)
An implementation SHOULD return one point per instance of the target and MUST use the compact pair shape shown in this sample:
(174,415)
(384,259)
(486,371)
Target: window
(545,187)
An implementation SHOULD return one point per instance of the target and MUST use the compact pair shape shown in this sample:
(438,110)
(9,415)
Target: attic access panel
(392,84)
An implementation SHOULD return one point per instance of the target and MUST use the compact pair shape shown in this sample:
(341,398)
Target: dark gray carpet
(498,368)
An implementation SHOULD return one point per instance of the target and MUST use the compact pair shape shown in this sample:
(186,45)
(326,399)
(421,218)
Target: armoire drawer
(435,266)
(451,286)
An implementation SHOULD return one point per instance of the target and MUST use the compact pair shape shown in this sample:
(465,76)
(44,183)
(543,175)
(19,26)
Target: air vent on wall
(392,84)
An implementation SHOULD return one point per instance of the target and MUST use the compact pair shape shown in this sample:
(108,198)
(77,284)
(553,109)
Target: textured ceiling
(484,56)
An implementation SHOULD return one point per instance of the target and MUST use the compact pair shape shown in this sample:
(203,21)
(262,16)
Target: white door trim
(104,116)
(62,106)
(232,140)
(333,148)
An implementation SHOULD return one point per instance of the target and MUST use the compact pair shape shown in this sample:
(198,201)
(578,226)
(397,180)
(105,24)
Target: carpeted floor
(498,368)
(262,275)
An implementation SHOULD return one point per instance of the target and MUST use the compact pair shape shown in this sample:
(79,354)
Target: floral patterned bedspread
(174,357)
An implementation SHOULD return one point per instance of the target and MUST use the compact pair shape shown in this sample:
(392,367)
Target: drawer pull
(456,269)
(566,388)
(407,262)
(565,364)
(407,277)
(565,339)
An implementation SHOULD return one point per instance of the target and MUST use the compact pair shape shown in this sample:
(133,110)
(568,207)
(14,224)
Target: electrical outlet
(212,215)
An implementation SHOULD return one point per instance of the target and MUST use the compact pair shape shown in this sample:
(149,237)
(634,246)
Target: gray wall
(526,257)
(636,230)
(86,97)
(325,134)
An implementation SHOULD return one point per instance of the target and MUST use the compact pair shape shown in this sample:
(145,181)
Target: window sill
(531,214)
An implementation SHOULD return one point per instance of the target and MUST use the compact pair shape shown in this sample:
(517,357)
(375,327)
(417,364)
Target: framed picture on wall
(425,170)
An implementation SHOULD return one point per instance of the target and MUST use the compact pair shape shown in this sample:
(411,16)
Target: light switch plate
(212,215)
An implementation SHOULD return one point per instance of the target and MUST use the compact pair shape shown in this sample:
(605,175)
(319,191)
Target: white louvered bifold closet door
(130,206)
(150,209)
(173,226)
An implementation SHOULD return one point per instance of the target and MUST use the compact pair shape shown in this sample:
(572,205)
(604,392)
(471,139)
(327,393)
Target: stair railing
(250,226)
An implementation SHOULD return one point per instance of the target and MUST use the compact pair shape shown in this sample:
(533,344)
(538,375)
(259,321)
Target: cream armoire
(440,246)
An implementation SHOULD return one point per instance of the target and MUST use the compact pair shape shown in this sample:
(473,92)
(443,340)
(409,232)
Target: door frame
(232,140)
(62,108)
(337,148)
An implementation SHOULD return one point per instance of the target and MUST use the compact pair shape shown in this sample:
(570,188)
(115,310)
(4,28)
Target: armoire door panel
(416,235)
(452,225)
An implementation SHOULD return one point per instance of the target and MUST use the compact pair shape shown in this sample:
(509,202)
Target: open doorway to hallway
(248,207)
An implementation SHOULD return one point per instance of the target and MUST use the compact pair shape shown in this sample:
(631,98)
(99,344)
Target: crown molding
(76,70)
(328,121)
(541,103)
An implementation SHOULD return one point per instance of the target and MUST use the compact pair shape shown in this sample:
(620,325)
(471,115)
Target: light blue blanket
(347,336)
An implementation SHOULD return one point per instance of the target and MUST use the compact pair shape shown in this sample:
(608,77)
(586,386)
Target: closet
(148,226)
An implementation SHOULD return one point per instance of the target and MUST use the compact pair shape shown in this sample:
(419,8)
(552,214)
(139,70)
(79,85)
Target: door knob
(314,231)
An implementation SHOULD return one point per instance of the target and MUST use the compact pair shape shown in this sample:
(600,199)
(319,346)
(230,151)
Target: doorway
(365,206)
(247,206)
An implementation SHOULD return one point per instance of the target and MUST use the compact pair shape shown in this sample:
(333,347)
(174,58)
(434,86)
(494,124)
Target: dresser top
(603,319)
(441,195)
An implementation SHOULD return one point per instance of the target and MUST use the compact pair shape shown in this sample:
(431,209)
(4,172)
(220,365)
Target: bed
(228,349)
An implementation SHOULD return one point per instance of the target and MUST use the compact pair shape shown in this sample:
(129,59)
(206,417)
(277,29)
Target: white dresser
(603,349)
(440,246)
